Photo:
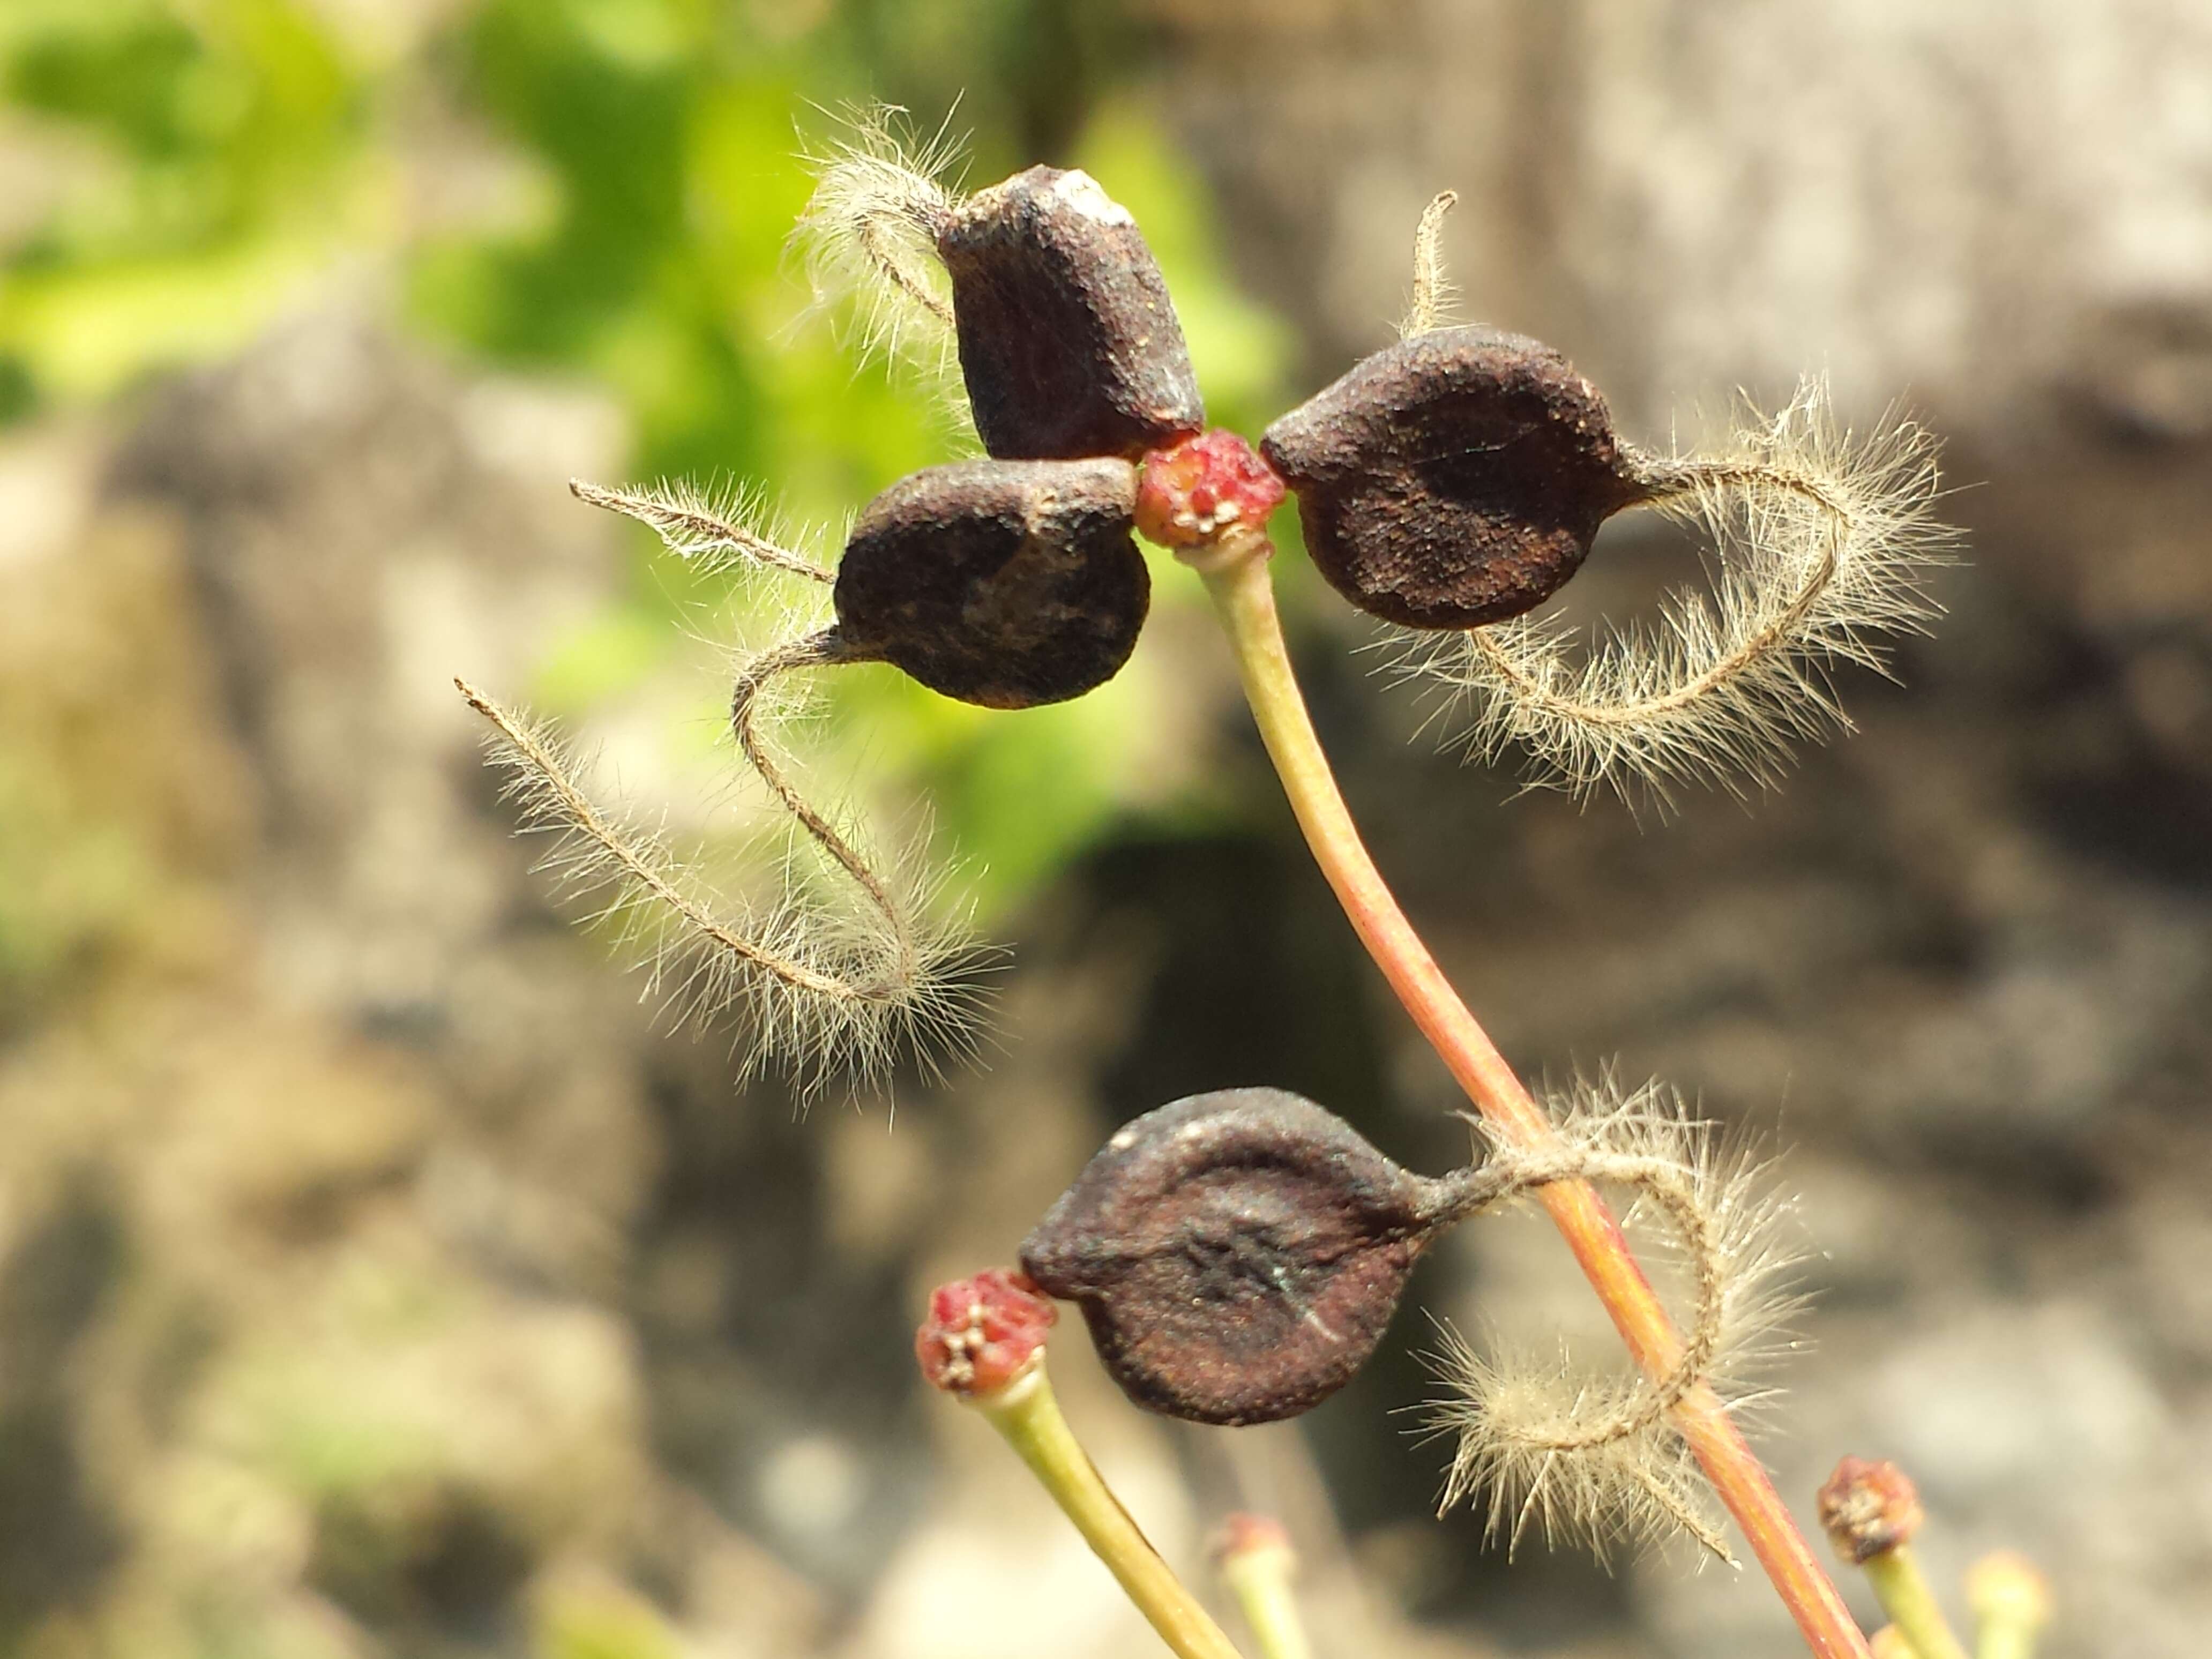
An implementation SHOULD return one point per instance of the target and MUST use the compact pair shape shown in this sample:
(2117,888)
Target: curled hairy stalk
(823,988)
(1594,1459)
(1822,542)
(719,531)
(1432,290)
(901,965)
(870,231)
(823,993)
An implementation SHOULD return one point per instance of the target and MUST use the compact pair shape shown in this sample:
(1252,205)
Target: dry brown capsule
(1237,1255)
(1068,341)
(1456,479)
(1004,583)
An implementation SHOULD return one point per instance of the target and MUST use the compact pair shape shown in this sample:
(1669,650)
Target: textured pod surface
(1004,583)
(1237,1255)
(1455,479)
(1068,341)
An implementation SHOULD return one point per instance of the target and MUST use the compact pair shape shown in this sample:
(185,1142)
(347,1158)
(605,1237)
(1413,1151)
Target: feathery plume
(1595,1459)
(827,991)
(720,530)
(1434,294)
(1823,542)
(870,231)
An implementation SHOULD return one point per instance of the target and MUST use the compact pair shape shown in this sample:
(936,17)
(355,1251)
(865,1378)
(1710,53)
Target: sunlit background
(378,1275)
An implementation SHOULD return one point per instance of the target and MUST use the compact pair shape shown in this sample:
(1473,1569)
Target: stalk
(1257,1564)
(1027,1415)
(1236,571)
(1910,1600)
(983,1343)
(2011,1603)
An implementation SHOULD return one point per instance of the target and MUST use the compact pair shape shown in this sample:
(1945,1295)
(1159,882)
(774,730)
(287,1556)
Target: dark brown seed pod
(1237,1255)
(1068,341)
(1456,479)
(1004,583)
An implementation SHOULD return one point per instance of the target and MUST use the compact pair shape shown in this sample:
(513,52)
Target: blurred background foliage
(376,1279)
(368,1421)
(603,190)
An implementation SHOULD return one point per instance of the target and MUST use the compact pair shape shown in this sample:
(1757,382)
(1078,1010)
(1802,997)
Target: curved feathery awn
(824,989)
(882,193)
(1596,1459)
(1823,541)
(1433,298)
(718,530)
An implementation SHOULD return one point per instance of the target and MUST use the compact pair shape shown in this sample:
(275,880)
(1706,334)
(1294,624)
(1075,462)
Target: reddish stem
(1236,574)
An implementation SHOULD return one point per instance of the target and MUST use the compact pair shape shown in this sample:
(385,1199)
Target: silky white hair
(1823,541)
(1546,1448)
(882,194)
(839,961)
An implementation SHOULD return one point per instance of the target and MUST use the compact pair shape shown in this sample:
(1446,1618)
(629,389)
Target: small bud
(1236,1256)
(1003,583)
(1245,1534)
(2006,1588)
(1068,341)
(1891,1642)
(1868,1509)
(1455,479)
(1253,1556)
(1202,489)
(982,1333)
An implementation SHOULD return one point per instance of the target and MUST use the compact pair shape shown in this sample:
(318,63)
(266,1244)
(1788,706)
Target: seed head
(982,1333)
(1068,341)
(1454,480)
(1236,1256)
(1003,583)
(1868,1509)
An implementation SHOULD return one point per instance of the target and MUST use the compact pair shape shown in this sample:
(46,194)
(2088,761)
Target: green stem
(1910,1604)
(1027,1415)
(1259,1579)
(2006,1638)
(2011,1604)
(1237,579)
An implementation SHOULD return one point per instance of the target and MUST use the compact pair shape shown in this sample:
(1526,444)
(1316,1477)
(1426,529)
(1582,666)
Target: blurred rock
(325,1141)
(1960,967)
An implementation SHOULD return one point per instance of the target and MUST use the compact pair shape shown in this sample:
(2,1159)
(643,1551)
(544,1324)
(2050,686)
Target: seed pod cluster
(1068,341)
(1455,479)
(1236,1254)
(1006,584)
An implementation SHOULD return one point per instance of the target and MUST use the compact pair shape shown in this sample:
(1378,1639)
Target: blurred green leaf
(245,147)
(231,136)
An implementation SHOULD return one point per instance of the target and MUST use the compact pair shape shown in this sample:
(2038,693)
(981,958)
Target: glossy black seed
(1455,479)
(1236,1256)
(1068,341)
(1003,583)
